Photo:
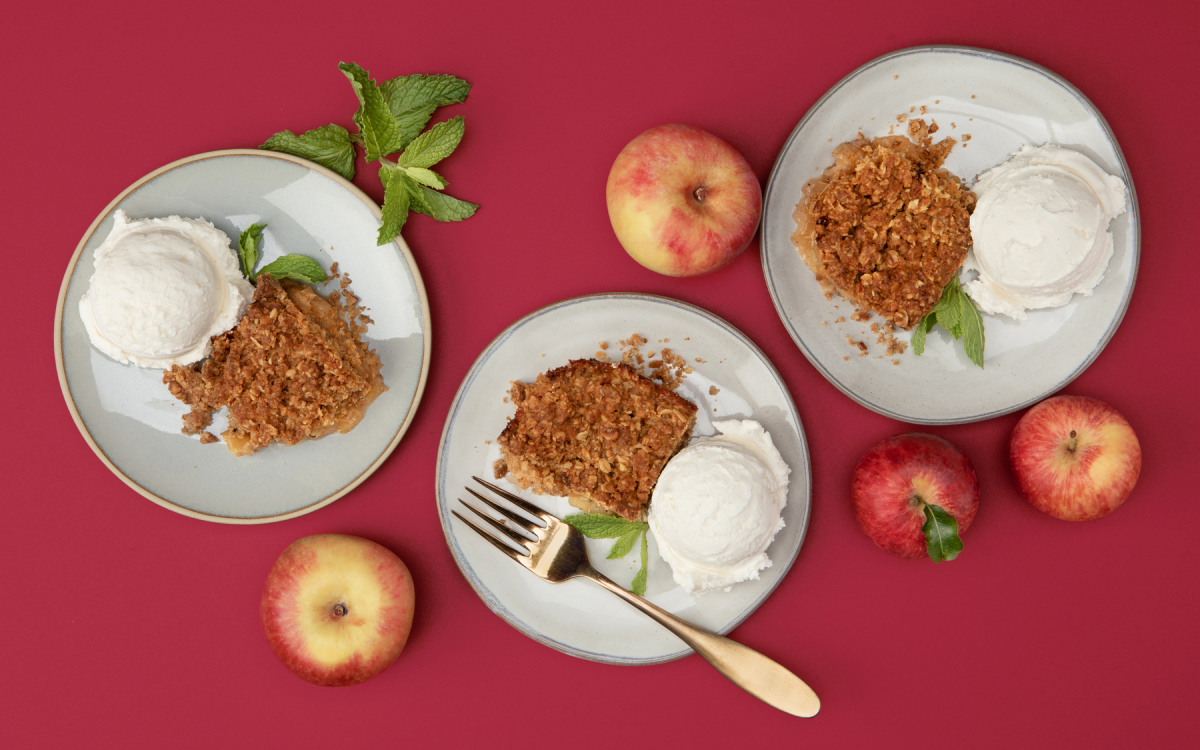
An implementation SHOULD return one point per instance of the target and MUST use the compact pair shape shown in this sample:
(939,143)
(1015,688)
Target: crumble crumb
(713,390)
(840,319)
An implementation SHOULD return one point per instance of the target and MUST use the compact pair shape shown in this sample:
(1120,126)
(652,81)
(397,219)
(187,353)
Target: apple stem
(700,194)
(340,610)
(1072,444)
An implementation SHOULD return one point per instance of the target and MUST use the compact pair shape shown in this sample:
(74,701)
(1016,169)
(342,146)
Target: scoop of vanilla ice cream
(1040,230)
(161,290)
(717,506)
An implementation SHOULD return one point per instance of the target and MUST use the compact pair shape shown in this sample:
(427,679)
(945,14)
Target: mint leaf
(600,526)
(297,268)
(941,534)
(639,581)
(443,207)
(624,544)
(923,328)
(972,327)
(330,146)
(395,202)
(948,308)
(434,144)
(426,177)
(412,100)
(378,127)
(957,314)
(248,248)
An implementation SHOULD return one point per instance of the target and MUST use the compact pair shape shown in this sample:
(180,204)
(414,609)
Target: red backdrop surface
(126,624)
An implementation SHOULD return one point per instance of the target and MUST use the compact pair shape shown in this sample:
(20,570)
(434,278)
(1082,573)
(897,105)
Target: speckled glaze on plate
(1003,102)
(133,423)
(578,617)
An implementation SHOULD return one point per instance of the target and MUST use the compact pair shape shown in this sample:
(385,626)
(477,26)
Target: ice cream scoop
(161,290)
(1040,230)
(718,505)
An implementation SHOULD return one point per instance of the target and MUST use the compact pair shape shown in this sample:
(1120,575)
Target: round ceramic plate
(133,423)
(578,617)
(1002,103)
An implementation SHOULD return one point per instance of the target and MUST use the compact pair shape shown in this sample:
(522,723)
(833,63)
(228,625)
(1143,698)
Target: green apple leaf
(297,268)
(376,124)
(330,146)
(248,249)
(941,534)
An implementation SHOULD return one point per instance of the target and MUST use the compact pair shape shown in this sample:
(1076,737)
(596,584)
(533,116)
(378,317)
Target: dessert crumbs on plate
(713,390)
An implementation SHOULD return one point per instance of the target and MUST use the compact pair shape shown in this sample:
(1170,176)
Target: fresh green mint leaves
(295,267)
(599,526)
(941,534)
(389,120)
(957,314)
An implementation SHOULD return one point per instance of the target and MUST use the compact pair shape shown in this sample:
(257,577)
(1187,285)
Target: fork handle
(759,676)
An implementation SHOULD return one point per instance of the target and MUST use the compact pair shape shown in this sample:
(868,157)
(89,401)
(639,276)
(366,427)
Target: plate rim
(1134,215)
(492,601)
(129,481)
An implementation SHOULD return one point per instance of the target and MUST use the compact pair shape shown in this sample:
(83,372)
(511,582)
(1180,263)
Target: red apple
(897,480)
(337,609)
(1075,458)
(682,201)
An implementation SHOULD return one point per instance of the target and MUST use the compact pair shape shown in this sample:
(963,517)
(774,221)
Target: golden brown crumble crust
(293,369)
(885,226)
(594,431)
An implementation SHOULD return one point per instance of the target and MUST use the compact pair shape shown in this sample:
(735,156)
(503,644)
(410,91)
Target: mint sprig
(389,120)
(957,314)
(941,534)
(600,526)
(330,146)
(295,267)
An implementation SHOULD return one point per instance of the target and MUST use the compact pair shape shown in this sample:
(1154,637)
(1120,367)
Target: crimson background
(125,624)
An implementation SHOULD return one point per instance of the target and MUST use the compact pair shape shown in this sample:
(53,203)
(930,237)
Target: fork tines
(523,541)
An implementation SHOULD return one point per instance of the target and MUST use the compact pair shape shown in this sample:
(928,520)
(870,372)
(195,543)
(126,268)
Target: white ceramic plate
(133,423)
(578,617)
(1003,102)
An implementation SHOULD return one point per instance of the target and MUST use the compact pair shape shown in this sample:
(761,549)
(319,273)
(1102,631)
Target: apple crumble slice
(596,432)
(886,227)
(293,369)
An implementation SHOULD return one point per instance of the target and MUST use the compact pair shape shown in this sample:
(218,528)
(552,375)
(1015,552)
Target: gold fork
(557,553)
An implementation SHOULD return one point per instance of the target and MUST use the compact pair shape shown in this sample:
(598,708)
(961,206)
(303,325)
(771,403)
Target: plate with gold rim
(131,421)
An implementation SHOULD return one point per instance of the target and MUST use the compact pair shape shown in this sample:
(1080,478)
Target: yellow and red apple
(903,483)
(337,609)
(1075,458)
(682,201)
